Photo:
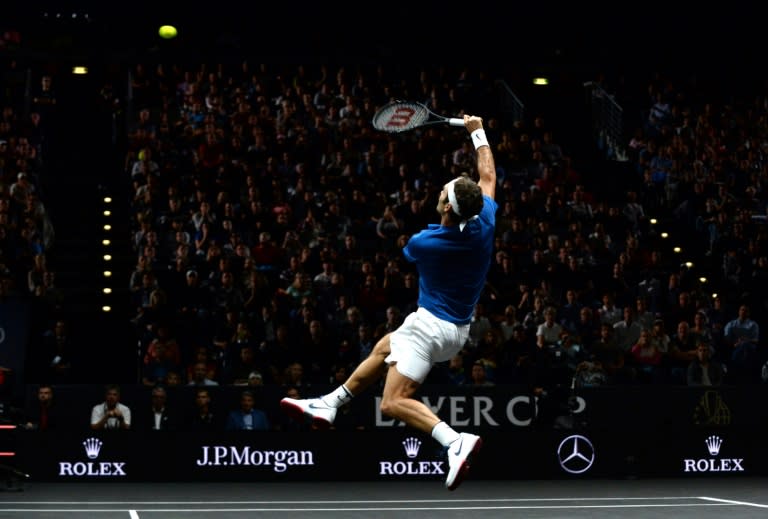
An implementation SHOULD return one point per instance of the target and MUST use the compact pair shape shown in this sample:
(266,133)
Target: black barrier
(488,408)
(386,455)
(14,330)
(603,432)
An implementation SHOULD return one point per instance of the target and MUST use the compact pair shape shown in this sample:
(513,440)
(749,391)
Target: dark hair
(469,197)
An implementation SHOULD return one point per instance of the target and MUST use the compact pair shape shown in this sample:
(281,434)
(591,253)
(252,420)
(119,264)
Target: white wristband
(479,138)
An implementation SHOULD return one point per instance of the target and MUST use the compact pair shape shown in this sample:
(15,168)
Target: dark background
(717,51)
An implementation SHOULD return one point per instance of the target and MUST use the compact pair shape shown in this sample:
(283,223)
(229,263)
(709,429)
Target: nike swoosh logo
(458,448)
(314,406)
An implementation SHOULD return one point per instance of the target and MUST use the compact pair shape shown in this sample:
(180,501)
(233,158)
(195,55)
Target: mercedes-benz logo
(575,454)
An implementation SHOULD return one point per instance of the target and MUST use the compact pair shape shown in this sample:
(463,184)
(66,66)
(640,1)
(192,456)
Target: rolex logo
(713,464)
(92,447)
(92,468)
(713,445)
(412,446)
(412,467)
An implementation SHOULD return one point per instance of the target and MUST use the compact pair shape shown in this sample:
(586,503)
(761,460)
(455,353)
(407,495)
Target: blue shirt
(239,421)
(453,264)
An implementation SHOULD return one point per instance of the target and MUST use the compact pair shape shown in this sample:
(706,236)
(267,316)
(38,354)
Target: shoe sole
(297,414)
(466,464)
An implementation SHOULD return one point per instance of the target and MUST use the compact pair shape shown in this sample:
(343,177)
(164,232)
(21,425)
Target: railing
(607,122)
(512,108)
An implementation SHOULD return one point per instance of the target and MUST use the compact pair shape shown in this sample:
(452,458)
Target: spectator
(612,359)
(294,376)
(173,379)
(372,298)
(455,370)
(266,254)
(478,375)
(586,327)
(647,358)
(246,363)
(203,417)
(157,364)
(157,416)
(393,319)
(568,313)
(388,228)
(700,329)
(554,362)
(741,336)
(111,414)
(627,331)
(479,325)
(535,316)
(548,332)
(508,322)
(43,414)
(642,315)
(609,312)
(200,376)
(702,370)
(682,350)
(255,379)
(317,351)
(57,355)
(247,417)
(202,354)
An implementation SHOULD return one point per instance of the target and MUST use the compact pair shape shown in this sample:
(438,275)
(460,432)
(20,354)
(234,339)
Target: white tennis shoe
(313,411)
(460,454)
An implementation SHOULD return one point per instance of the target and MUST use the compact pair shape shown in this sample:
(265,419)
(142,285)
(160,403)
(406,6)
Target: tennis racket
(400,116)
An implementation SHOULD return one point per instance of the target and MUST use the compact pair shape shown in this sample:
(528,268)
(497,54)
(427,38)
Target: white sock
(338,397)
(443,433)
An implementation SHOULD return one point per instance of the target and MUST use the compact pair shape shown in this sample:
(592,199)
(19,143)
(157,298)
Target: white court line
(358,501)
(134,514)
(733,502)
(366,509)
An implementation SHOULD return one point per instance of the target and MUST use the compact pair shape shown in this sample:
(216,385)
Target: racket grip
(455,121)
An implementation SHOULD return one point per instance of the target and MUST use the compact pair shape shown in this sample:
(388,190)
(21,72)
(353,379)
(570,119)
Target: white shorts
(423,340)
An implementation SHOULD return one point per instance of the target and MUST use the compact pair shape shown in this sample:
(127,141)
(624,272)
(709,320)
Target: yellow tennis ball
(167,32)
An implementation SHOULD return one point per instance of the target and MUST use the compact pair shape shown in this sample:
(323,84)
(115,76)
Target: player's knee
(388,407)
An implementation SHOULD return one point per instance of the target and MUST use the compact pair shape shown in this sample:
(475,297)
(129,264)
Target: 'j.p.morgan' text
(222,456)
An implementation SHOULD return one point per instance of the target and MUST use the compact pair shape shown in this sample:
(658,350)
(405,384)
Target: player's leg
(371,369)
(413,351)
(397,401)
(321,412)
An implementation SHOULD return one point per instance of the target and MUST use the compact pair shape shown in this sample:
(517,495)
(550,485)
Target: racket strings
(400,116)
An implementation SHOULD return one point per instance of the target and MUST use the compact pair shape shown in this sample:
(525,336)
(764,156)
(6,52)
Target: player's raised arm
(486,167)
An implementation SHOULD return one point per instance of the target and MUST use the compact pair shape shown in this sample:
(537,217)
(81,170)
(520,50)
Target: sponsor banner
(389,455)
(157,456)
(678,432)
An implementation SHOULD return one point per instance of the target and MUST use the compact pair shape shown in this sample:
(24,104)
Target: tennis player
(452,259)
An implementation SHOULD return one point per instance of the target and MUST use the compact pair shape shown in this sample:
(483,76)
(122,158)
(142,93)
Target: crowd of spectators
(267,218)
(27,276)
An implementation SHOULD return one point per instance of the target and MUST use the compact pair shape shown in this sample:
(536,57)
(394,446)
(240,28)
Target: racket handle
(455,121)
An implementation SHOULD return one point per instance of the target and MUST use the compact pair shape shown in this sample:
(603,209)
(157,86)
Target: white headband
(452,196)
(455,204)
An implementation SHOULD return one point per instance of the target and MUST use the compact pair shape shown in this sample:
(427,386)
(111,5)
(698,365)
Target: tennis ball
(167,32)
